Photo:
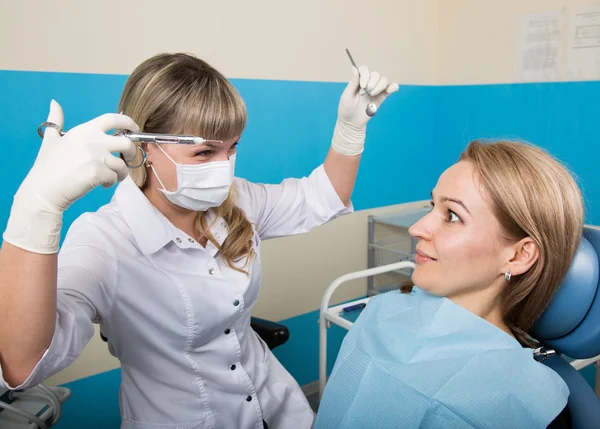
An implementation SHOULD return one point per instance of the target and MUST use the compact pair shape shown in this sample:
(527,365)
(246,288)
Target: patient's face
(459,250)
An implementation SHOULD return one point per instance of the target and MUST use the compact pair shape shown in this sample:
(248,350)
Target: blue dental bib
(421,361)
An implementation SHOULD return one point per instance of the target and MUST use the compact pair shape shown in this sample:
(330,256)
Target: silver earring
(507,276)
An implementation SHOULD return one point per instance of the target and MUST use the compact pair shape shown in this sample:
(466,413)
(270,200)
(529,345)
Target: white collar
(151,229)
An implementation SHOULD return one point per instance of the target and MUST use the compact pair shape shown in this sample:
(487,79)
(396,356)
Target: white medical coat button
(178,240)
(191,240)
(236,302)
(211,271)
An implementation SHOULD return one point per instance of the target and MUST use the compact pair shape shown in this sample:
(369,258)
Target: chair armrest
(272,333)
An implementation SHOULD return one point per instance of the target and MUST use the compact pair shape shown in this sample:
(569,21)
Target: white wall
(290,280)
(478,40)
(264,39)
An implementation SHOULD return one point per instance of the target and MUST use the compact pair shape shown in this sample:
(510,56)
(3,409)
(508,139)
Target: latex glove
(350,128)
(66,168)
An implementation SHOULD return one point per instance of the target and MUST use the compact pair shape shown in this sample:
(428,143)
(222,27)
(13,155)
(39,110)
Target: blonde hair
(179,93)
(532,195)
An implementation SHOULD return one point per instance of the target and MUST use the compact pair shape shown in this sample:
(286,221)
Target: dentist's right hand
(67,167)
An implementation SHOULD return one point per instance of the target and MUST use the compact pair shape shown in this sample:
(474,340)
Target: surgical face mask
(200,186)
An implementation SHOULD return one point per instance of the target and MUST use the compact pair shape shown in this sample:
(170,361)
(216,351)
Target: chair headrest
(571,323)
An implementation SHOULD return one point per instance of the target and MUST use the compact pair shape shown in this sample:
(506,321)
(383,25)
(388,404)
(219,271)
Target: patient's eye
(452,217)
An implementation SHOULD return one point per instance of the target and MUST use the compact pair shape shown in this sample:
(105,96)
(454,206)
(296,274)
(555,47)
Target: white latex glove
(66,168)
(350,128)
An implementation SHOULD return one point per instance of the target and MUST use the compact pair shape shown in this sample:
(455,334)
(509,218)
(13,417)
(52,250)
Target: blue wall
(561,117)
(288,134)
(420,131)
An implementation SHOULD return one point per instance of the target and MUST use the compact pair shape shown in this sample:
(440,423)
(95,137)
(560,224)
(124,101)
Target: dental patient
(454,352)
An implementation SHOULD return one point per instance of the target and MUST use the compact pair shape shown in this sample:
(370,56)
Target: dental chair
(570,329)
(272,333)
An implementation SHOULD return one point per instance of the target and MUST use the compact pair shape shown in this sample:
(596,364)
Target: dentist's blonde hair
(179,93)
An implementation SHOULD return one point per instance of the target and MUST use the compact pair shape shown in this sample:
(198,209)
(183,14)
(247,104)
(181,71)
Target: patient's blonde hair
(532,195)
(179,93)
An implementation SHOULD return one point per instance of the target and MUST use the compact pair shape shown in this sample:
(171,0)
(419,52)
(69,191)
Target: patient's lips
(422,257)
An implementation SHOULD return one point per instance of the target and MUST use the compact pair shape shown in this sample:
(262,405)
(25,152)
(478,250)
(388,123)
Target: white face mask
(200,186)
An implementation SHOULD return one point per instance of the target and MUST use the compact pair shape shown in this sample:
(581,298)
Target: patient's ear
(523,255)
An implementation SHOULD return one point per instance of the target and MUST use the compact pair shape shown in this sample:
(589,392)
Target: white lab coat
(177,317)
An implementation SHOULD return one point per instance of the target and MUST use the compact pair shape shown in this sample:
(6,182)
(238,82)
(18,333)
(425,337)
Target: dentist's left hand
(350,130)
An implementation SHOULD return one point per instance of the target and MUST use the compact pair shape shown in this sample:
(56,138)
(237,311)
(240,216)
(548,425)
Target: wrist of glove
(350,129)
(67,167)
(348,139)
(33,225)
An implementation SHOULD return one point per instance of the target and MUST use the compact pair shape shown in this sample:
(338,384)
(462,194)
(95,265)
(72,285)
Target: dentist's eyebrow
(207,145)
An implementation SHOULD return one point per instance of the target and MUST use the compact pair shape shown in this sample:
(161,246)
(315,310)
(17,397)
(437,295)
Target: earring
(507,276)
